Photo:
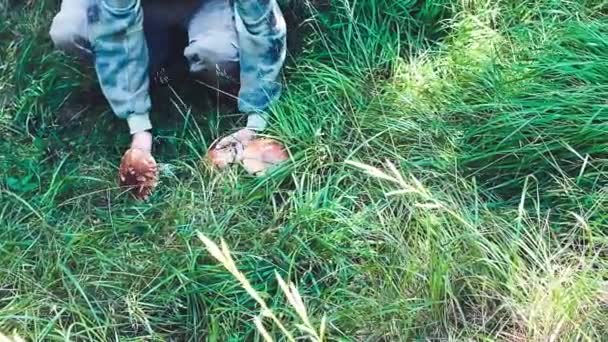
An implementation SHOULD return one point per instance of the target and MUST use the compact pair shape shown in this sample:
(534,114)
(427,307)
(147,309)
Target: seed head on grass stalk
(413,187)
(291,292)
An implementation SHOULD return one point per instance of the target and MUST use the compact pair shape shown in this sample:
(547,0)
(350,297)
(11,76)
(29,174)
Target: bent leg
(69,30)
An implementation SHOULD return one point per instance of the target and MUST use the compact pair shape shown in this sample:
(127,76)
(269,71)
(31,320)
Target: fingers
(226,142)
(242,137)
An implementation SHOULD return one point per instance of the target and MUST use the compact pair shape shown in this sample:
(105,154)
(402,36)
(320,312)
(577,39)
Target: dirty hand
(237,139)
(228,149)
(255,154)
(138,169)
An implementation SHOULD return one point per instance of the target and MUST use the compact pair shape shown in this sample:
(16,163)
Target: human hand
(255,154)
(241,137)
(138,169)
(142,140)
(228,149)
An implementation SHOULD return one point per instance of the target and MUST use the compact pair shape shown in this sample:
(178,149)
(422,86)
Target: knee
(206,54)
(64,32)
(61,34)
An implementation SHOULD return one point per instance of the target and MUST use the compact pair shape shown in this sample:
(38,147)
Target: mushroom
(221,157)
(260,154)
(139,172)
(256,155)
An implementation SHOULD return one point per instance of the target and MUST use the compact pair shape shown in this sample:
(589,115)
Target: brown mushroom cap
(221,158)
(261,154)
(138,171)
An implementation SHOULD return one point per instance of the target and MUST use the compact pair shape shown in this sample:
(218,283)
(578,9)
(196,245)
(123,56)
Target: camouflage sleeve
(262,41)
(121,59)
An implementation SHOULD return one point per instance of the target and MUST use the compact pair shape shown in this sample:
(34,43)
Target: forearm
(262,40)
(121,59)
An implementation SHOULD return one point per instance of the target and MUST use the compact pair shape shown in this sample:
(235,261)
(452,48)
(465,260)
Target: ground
(448,181)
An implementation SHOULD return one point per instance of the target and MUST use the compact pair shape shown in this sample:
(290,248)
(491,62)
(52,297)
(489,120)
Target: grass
(448,181)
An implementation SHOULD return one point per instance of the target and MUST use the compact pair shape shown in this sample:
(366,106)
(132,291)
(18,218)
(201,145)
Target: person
(127,40)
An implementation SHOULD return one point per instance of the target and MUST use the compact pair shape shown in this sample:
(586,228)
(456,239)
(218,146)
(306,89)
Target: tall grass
(448,182)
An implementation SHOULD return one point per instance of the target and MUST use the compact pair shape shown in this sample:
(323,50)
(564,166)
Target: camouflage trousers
(242,37)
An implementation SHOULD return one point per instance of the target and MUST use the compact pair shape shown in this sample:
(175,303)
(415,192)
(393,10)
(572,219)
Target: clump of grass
(532,286)
(551,109)
(486,223)
(291,293)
